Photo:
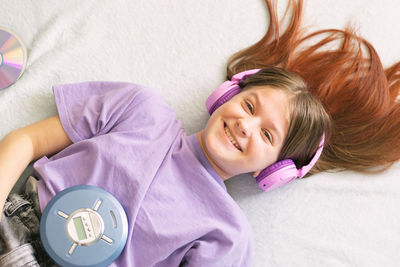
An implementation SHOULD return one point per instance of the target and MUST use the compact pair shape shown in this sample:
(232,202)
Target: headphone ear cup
(222,94)
(276,175)
(227,90)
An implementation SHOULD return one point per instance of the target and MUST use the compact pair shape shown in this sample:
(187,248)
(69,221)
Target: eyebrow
(277,132)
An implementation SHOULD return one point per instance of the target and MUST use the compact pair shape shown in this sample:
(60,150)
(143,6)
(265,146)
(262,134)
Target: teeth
(228,133)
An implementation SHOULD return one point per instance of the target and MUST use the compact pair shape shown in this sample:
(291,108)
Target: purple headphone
(279,173)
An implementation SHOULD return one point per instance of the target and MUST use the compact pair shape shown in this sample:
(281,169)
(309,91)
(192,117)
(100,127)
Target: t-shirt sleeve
(96,108)
(215,250)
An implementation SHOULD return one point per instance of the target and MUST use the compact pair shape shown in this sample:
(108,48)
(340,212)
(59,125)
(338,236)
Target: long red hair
(350,81)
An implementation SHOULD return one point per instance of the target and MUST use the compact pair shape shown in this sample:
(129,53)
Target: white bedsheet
(180,48)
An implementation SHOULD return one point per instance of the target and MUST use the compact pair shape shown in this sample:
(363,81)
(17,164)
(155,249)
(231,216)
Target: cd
(12,58)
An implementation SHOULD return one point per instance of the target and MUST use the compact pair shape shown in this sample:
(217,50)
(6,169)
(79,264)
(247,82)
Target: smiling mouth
(230,137)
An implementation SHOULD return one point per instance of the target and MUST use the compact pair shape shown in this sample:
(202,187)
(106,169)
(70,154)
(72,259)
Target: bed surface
(180,48)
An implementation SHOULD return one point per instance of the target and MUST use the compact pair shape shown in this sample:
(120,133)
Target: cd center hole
(1,59)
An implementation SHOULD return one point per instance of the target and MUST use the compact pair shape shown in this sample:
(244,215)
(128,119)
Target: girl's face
(246,134)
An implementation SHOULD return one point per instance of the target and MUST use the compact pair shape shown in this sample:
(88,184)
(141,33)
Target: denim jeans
(20,243)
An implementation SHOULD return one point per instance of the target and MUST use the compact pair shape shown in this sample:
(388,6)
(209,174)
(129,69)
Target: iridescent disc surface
(12,58)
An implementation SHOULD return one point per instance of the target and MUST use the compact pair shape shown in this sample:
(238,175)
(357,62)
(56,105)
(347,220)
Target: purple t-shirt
(127,141)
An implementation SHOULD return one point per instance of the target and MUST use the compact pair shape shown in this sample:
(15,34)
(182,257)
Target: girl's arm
(20,147)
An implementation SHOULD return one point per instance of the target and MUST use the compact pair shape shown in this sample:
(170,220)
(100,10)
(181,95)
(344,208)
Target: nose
(245,126)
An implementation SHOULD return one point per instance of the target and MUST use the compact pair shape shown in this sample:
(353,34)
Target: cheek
(262,155)
(212,137)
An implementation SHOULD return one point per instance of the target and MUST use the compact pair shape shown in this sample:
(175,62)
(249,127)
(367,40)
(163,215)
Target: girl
(122,137)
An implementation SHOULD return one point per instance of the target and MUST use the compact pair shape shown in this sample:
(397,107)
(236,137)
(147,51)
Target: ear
(256,173)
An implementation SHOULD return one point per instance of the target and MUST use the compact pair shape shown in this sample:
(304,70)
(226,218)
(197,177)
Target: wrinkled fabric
(20,243)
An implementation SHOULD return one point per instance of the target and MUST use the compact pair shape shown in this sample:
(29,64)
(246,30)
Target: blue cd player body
(84,226)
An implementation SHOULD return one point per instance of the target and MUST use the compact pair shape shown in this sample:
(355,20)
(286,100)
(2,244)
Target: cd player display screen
(80,230)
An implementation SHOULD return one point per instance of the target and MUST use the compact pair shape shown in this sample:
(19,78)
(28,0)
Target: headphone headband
(305,169)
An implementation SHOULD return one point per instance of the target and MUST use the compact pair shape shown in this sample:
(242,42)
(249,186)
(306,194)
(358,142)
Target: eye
(249,106)
(266,133)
